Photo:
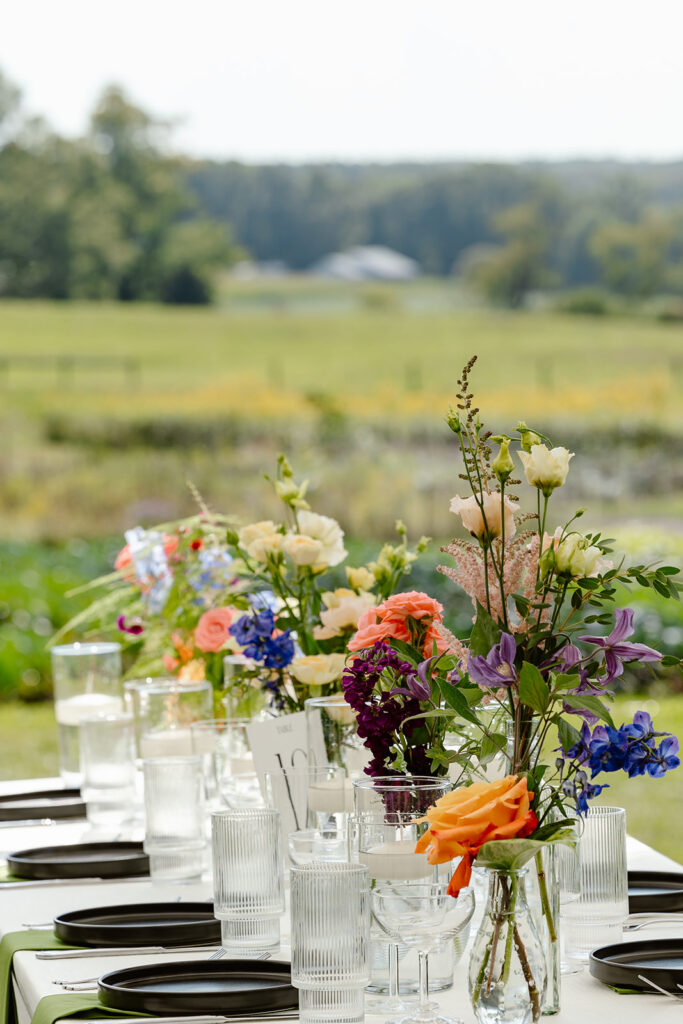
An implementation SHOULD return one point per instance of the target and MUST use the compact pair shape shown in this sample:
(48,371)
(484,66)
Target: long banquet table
(584,1000)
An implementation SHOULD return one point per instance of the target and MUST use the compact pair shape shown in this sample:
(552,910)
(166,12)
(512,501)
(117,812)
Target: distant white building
(367,263)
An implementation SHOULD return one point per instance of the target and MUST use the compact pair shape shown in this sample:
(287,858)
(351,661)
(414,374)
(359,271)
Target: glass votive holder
(398,794)
(87,682)
(166,709)
(242,791)
(313,797)
(248,879)
(244,695)
(223,745)
(107,746)
(598,916)
(331,725)
(314,844)
(330,941)
(174,814)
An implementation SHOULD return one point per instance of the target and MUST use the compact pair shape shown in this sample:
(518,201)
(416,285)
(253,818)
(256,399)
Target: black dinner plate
(140,924)
(45,803)
(660,960)
(651,892)
(80,860)
(203,986)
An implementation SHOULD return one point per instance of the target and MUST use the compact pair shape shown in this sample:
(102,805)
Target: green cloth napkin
(7,876)
(70,1004)
(11,943)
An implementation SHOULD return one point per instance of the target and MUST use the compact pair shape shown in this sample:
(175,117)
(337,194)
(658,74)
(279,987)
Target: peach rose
(463,820)
(389,620)
(473,520)
(124,560)
(212,630)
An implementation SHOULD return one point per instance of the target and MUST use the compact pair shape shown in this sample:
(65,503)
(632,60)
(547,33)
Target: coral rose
(213,629)
(463,820)
(389,620)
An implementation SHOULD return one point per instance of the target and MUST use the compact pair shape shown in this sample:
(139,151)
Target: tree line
(116,215)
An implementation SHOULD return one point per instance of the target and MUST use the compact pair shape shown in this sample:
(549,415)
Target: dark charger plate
(205,986)
(80,860)
(654,891)
(140,924)
(45,803)
(660,960)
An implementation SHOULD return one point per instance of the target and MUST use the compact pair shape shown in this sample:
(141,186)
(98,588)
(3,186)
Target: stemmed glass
(422,915)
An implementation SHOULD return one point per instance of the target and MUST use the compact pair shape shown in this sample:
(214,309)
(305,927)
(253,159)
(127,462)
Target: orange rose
(388,620)
(463,820)
(213,629)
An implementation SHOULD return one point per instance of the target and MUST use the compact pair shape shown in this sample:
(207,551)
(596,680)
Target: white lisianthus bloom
(546,468)
(473,520)
(343,610)
(328,532)
(360,579)
(248,534)
(265,547)
(317,669)
(575,556)
(302,549)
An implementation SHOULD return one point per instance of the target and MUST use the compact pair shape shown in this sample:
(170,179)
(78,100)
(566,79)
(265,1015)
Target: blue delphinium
(254,633)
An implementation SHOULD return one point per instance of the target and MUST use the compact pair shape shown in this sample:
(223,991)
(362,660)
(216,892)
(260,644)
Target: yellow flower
(360,579)
(546,468)
(343,610)
(318,669)
(302,550)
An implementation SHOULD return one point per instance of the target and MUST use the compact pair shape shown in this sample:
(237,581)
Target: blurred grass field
(652,805)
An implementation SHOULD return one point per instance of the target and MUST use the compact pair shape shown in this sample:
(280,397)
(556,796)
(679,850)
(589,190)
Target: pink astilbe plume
(521,560)
(454,645)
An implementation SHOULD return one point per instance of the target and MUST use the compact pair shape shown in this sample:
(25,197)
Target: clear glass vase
(507,970)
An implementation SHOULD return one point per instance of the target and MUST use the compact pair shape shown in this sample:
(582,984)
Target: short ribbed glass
(330,941)
(174,812)
(597,918)
(248,886)
(107,745)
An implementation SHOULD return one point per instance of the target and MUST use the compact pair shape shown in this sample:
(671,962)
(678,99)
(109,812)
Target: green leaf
(407,650)
(588,583)
(561,681)
(509,854)
(661,588)
(568,734)
(670,659)
(669,570)
(457,701)
(491,746)
(576,599)
(586,702)
(485,633)
(533,689)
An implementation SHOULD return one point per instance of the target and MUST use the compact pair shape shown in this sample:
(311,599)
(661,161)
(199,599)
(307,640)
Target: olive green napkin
(71,1004)
(11,943)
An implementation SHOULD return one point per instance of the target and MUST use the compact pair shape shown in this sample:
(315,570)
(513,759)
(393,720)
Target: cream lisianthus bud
(527,437)
(318,669)
(575,556)
(473,520)
(546,468)
(302,549)
(360,579)
(263,548)
(503,465)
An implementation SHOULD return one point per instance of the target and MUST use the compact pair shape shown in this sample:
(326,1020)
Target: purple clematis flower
(498,667)
(617,649)
(417,683)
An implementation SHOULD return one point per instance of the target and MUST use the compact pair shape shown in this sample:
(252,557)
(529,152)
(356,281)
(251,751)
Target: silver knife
(76,954)
(33,883)
(263,1015)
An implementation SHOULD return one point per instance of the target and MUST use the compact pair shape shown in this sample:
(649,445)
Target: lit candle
(395,861)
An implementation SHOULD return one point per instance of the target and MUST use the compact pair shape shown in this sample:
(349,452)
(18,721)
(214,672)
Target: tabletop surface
(584,1000)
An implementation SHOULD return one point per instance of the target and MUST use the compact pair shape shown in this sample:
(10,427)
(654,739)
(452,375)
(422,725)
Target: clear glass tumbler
(87,682)
(223,745)
(330,941)
(314,797)
(174,812)
(166,709)
(248,881)
(597,917)
(402,794)
(107,745)
(242,791)
(314,844)
(331,726)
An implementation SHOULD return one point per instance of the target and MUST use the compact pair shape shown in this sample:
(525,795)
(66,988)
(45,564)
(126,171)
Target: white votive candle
(166,743)
(395,861)
(331,796)
(74,709)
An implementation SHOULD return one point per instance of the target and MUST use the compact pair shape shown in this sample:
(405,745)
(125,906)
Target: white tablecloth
(584,1000)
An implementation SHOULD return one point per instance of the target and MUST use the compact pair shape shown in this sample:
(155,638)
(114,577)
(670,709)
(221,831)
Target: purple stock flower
(617,649)
(498,667)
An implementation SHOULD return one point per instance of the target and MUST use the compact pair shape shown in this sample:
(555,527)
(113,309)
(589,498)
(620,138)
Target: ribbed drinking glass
(330,941)
(174,812)
(597,918)
(248,879)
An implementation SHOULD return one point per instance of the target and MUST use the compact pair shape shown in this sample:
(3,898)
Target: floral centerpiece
(545,648)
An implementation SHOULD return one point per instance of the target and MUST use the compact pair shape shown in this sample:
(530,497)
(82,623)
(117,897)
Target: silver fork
(664,919)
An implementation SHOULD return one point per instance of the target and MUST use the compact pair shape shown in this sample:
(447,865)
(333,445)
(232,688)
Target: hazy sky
(379,79)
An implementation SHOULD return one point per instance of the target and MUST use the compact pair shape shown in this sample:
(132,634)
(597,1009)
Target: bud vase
(507,970)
